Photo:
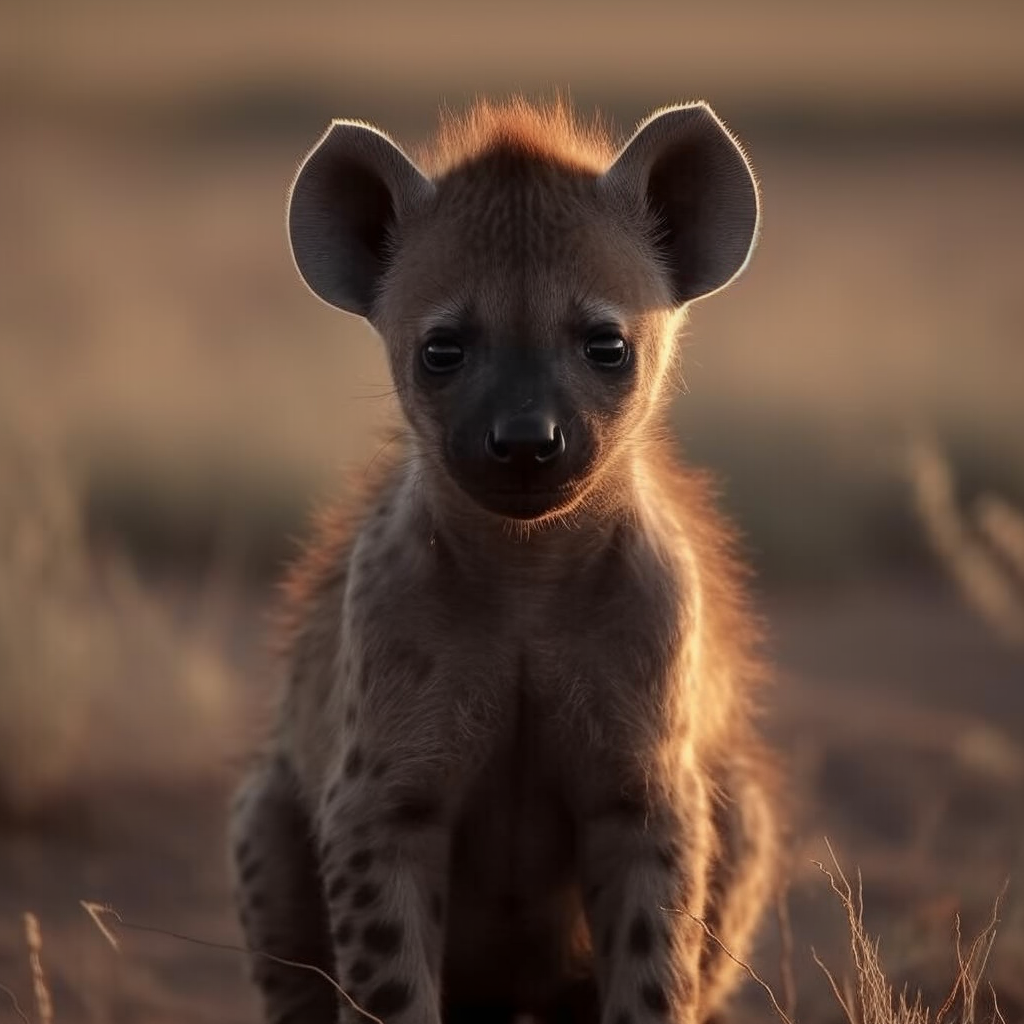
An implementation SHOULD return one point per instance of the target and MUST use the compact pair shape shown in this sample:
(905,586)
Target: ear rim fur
(345,279)
(630,174)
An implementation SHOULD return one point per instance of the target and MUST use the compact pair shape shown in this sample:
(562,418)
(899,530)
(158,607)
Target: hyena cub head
(527,285)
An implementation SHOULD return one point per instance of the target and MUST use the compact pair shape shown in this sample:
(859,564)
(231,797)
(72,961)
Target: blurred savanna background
(173,403)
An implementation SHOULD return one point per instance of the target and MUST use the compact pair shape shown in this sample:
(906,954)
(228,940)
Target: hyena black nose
(531,438)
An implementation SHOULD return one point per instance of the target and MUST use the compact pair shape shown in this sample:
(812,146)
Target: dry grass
(107,920)
(983,547)
(870,998)
(34,941)
(89,661)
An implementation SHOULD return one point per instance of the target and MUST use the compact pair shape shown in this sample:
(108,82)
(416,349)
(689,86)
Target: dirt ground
(903,724)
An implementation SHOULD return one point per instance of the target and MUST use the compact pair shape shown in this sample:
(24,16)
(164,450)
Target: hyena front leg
(644,870)
(743,874)
(385,840)
(278,890)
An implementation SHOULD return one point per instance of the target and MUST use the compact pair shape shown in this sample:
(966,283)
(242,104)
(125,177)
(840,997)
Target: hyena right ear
(351,190)
(694,178)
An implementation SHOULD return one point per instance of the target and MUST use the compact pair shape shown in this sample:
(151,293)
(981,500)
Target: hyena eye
(607,349)
(442,354)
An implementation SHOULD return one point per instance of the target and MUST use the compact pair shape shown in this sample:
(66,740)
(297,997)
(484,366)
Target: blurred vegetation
(89,660)
(981,543)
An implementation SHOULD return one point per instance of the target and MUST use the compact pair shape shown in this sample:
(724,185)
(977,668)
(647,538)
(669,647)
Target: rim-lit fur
(515,731)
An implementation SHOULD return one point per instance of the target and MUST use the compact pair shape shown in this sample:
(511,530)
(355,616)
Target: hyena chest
(514,901)
(516,839)
(555,730)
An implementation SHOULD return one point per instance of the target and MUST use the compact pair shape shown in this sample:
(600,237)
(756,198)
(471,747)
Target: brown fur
(551,132)
(520,720)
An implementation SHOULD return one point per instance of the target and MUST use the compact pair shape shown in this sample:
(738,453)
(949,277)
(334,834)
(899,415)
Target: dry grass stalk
(1003,526)
(870,999)
(984,552)
(972,968)
(786,952)
(15,1005)
(101,914)
(751,973)
(34,940)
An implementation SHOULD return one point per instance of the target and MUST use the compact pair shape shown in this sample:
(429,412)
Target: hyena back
(516,760)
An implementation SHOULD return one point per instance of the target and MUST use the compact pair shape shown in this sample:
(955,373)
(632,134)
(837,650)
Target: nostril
(550,450)
(495,448)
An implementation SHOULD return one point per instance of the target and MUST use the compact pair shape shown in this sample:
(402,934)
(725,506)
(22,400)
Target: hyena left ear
(349,195)
(696,181)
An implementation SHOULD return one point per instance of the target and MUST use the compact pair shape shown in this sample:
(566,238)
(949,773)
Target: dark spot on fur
(361,970)
(256,901)
(332,793)
(654,998)
(248,870)
(383,937)
(378,769)
(343,933)
(353,763)
(707,957)
(336,886)
(350,714)
(641,936)
(414,812)
(391,997)
(360,861)
(364,895)
(437,907)
(668,856)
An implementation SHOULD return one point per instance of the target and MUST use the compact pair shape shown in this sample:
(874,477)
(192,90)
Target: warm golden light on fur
(519,718)
(552,132)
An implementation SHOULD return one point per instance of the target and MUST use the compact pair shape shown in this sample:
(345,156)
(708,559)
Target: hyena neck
(476,541)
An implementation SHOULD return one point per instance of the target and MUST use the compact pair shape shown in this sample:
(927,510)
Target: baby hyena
(516,758)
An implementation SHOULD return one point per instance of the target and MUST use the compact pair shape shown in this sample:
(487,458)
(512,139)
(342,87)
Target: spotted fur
(517,756)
